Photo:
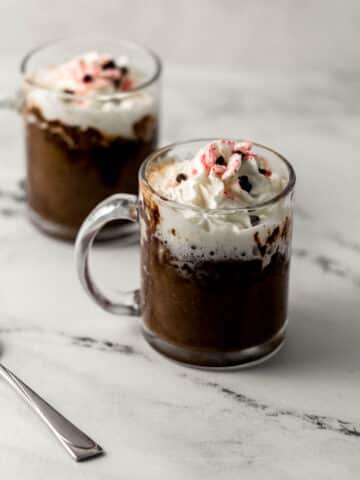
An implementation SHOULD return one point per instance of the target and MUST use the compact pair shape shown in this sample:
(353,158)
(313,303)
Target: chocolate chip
(68,91)
(124,70)
(193,247)
(244,183)
(87,78)
(220,161)
(262,171)
(181,177)
(110,64)
(255,220)
(116,82)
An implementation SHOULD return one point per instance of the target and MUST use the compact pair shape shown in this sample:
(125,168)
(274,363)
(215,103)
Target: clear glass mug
(81,149)
(206,299)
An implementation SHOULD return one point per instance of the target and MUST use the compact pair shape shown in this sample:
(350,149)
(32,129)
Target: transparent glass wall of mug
(214,292)
(214,289)
(81,148)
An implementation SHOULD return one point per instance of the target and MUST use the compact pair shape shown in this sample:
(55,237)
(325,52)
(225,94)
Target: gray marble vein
(284,74)
(319,421)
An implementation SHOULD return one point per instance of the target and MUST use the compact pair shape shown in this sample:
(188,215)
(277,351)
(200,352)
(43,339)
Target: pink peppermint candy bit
(232,166)
(243,147)
(223,141)
(126,84)
(94,72)
(209,156)
(111,73)
(218,170)
(172,183)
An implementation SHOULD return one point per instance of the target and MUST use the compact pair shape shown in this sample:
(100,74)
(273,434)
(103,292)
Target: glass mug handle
(120,206)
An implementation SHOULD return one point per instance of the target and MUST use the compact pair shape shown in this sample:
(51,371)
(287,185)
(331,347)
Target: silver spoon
(76,443)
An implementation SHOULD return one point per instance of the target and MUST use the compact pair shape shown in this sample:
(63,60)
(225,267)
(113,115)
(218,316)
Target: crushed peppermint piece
(223,174)
(88,74)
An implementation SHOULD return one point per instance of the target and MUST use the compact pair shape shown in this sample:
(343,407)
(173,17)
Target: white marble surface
(295,417)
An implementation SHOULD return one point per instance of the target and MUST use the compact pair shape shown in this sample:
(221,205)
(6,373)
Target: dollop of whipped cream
(223,174)
(93,91)
(88,74)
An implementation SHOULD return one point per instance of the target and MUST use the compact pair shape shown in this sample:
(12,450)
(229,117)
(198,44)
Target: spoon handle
(76,443)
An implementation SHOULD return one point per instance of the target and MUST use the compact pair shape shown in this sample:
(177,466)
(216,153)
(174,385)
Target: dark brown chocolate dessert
(215,255)
(88,128)
(70,170)
(213,310)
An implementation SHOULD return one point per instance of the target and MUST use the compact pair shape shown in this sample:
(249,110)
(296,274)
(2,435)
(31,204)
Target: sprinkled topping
(89,73)
(223,174)
(244,183)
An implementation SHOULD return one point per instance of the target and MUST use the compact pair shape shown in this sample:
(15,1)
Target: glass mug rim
(289,187)
(43,46)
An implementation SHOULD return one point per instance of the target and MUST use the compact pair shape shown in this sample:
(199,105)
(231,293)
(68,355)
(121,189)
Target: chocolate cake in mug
(90,122)
(216,227)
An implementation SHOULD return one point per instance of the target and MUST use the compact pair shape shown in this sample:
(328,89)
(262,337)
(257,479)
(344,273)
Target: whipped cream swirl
(224,174)
(88,74)
(227,184)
